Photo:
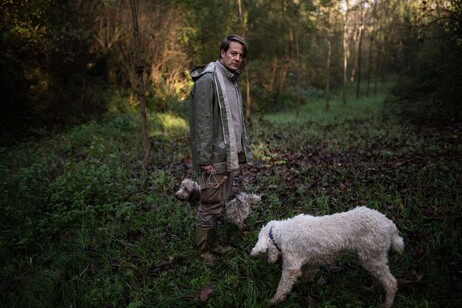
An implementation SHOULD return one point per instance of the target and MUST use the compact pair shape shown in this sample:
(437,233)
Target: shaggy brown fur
(236,210)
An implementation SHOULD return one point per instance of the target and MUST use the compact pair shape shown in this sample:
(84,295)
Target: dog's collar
(272,238)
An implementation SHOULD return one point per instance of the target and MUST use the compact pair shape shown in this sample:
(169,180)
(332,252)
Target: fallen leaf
(321,281)
(205,293)
(334,268)
(411,277)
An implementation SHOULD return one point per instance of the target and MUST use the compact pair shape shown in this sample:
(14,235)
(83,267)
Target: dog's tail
(397,243)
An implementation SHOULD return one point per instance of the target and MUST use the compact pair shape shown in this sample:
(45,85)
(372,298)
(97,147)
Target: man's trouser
(215,191)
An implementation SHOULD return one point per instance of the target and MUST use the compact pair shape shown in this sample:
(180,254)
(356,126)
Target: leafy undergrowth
(83,223)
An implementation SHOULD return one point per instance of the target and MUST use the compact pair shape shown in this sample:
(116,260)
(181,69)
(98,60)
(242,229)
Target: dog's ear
(273,254)
(262,244)
(188,184)
(195,196)
(273,250)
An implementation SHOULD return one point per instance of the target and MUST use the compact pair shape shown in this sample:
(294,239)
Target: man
(219,142)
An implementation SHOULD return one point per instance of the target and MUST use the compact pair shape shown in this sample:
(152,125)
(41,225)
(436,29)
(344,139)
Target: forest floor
(83,223)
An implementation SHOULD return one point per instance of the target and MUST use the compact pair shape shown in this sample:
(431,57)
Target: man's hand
(208,169)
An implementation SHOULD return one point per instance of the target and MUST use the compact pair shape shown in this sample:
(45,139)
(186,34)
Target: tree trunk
(355,64)
(369,69)
(360,41)
(140,88)
(272,81)
(329,55)
(246,65)
(345,51)
(372,34)
(297,50)
(377,70)
(283,75)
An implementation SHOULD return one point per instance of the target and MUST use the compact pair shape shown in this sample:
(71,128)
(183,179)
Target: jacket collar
(198,71)
(226,72)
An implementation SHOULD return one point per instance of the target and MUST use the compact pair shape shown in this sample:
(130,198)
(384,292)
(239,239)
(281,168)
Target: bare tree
(299,64)
(140,88)
(246,64)
(358,52)
(329,35)
(346,24)
(371,43)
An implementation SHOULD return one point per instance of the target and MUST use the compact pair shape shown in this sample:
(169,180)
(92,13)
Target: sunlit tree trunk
(283,75)
(371,43)
(297,51)
(377,70)
(140,88)
(329,55)
(360,41)
(369,69)
(345,49)
(246,64)
(274,68)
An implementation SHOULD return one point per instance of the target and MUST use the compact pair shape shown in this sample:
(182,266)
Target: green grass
(84,224)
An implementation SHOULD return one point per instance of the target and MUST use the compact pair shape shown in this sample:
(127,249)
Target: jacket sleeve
(202,128)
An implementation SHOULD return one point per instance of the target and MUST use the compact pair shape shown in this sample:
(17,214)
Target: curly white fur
(236,210)
(308,242)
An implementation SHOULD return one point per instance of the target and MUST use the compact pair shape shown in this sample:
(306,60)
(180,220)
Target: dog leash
(272,238)
(212,177)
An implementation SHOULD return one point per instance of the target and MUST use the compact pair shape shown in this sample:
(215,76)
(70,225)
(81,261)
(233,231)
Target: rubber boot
(202,245)
(215,245)
(221,250)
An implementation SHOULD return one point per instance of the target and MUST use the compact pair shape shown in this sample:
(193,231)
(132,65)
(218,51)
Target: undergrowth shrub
(84,223)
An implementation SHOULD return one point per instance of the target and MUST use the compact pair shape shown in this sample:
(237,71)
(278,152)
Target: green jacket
(212,135)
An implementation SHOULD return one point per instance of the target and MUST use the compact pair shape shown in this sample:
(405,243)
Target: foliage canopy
(59,59)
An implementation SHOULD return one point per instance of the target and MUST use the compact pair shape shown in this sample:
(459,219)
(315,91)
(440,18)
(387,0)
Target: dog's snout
(180,195)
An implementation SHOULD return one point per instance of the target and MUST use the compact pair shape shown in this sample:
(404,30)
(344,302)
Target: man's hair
(233,38)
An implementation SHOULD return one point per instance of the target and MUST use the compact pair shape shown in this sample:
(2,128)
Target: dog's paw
(273,302)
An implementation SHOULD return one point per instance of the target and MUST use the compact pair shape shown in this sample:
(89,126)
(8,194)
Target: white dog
(236,210)
(308,242)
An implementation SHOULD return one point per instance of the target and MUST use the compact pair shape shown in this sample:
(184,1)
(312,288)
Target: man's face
(232,59)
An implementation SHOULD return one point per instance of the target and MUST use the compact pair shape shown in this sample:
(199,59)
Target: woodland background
(348,103)
(61,62)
